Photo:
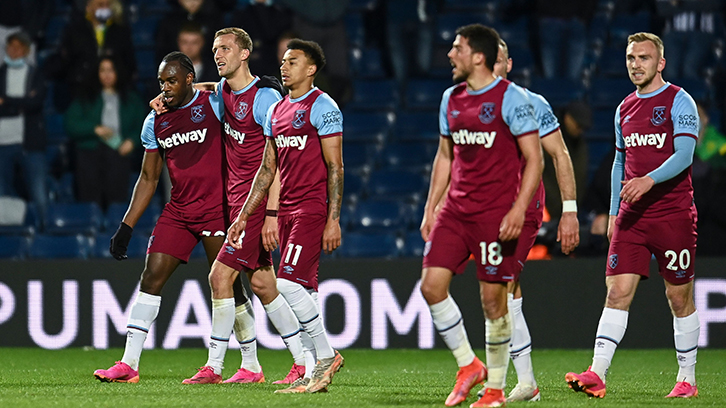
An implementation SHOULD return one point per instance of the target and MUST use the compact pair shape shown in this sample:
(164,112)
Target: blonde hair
(243,40)
(640,37)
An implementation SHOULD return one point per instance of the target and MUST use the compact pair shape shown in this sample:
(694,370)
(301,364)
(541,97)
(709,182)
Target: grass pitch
(390,378)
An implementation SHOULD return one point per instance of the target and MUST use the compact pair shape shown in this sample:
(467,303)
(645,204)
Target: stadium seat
(354,187)
(367,63)
(414,157)
(357,158)
(623,25)
(608,93)
(515,34)
(365,245)
(418,126)
(612,63)
(54,29)
(358,5)
(30,224)
(147,64)
(603,125)
(73,218)
(143,31)
(425,93)
(523,63)
(696,88)
(55,131)
(397,185)
(413,245)
(558,91)
(378,216)
(198,252)
(367,127)
(62,190)
(372,95)
(448,23)
(13,247)
(355,29)
(59,246)
(116,211)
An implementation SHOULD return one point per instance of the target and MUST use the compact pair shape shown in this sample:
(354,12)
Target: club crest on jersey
(613,261)
(659,116)
(486,113)
(299,120)
(241,110)
(198,114)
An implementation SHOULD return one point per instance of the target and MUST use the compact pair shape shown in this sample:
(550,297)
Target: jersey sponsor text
(237,135)
(651,139)
(466,137)
(182,138)
(291,141)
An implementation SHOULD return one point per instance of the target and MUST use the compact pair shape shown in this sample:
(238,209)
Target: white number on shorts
(491,253)
(297,248)
(684,259)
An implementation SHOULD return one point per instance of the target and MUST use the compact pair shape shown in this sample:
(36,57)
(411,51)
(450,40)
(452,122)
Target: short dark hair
(20,36)
(311,49)
(482,39)
(182,59)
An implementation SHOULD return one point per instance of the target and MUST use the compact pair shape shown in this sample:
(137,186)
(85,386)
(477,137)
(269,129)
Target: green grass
(392,378)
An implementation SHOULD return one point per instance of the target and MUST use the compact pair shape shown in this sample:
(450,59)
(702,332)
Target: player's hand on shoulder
(120,241)
(269,81)
(158,105)
(331,236)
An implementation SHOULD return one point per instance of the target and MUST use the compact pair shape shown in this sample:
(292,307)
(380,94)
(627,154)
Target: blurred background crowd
(76,77)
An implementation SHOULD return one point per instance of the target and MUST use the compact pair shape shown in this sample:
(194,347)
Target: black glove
(120,241)
(269,81)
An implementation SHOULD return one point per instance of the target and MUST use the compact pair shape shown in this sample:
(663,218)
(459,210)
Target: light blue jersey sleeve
(217,103)
(326,116)
(546,119)
(685,115)
(267,127)
(148,137)
(517,111)
(218,88)
(618,171)
(264,98)
(443,110)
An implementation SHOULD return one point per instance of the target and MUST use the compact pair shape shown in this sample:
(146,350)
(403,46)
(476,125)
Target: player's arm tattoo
(263,179)
(333,152)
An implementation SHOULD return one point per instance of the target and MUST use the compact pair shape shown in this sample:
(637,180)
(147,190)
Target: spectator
(690,31)
(410,36)
(204,13)
(97,33)
(22,136)
(576,119)
(322,21)
(191,43)
(711,147)
(265,21)
(105,123)
(563,34)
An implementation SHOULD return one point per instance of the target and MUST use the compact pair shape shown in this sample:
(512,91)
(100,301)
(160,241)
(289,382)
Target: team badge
(241,110)
(299,120)
(486,113)
(613,261)
(198,114)
(659,116)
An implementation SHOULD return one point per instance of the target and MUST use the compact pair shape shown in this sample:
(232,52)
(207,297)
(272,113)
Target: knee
(150,283)
(617,299)
(493,307)
(432,293)
(266,293)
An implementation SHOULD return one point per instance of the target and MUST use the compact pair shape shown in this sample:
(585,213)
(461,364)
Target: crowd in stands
(76,76)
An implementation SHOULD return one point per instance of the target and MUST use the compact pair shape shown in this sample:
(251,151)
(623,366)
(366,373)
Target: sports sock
(222,321)
(246,334)
(307,312)
(520,348)
(610,331)
(685,332)
(450,325)
(311,357)
(287,325)
(143,313)
(498,336)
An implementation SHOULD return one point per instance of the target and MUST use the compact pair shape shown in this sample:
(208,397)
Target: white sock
(222,321)
(287,325)
(450,325)
(143,313)
(685,332)
(610,331)
(521,345)
(246,334)
(498,336)
(311,357)
(307,312)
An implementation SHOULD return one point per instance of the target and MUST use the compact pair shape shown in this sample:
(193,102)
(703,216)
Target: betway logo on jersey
(182,138)
(291,141)
(652,139)
(237,135)
(466,137)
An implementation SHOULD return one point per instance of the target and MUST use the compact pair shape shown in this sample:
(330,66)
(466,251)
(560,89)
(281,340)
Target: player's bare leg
(610,331)
(450,325)
(159,267)
(686,329)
